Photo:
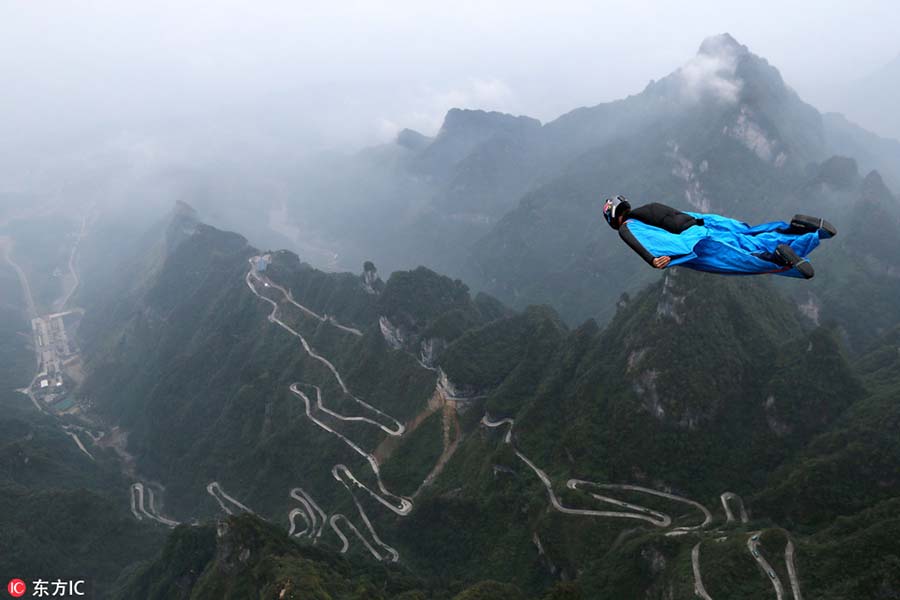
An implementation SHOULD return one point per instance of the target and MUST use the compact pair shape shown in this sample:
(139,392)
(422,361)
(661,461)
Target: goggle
(608,210)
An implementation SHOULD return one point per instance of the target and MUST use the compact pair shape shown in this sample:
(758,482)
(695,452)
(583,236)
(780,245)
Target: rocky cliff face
(371,281)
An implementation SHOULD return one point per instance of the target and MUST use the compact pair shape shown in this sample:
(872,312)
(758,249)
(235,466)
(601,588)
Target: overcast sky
(351,73)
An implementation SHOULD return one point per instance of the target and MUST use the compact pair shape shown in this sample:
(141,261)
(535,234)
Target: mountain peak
(874,190)
(722,45)
(412,139)
(460,120)
(840,172)
(727,70)
(464,130)
(182,223)
(184,210)
(715,72)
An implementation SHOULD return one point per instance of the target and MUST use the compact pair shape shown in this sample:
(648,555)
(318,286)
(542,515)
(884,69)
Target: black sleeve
(664,217)
(635,245)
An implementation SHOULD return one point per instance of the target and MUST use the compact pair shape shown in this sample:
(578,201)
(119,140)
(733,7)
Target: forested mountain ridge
(699,386)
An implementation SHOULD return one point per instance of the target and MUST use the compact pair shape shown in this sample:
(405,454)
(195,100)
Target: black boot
(807,224)
(791,259)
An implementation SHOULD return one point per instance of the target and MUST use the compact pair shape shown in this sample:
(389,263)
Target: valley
(57,355)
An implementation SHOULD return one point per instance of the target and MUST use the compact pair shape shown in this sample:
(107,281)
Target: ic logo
(16,588)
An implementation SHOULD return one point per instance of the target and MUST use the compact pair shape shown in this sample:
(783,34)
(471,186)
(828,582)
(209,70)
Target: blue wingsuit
(717,244)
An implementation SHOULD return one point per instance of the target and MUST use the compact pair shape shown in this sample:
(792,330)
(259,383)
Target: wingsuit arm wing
(633,243)
(664,217)
(650,242)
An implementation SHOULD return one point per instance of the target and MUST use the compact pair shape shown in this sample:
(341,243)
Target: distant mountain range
(513,207)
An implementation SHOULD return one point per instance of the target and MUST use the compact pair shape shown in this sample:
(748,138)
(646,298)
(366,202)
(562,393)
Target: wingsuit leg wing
(715,256)
(721,245)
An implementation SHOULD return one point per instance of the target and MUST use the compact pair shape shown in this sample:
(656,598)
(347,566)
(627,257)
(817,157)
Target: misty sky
(233,76)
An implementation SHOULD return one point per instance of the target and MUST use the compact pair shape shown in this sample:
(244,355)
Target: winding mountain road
(346,543)
(61,303)
(309,312)
(339,472)
(75,437)
(399,505)
(314,518)
(397,430)
(298,513)
(699,589)
(753,547)
(655,518)
(792,570)
(139,510)
(215,490)
(729,515)
(7,244)
(707,516)
(314,514)
(27,391)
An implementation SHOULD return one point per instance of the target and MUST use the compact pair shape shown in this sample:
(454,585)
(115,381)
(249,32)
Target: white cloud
(386,129)
(711,73)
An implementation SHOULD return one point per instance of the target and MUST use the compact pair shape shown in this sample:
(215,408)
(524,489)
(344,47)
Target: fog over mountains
(429,370)
(512,206)
(871,100)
